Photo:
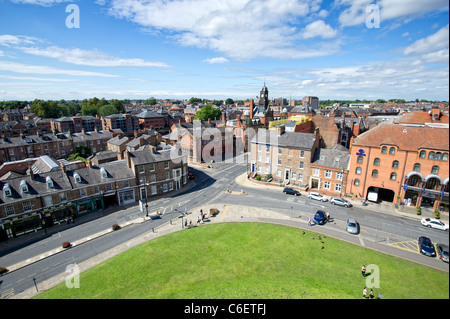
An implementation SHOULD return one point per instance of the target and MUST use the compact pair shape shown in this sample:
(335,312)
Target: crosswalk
(408,245)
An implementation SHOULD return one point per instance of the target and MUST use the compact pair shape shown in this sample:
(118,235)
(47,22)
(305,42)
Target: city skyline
(131,49)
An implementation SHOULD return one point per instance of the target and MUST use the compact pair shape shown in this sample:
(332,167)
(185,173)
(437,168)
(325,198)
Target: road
(209,188)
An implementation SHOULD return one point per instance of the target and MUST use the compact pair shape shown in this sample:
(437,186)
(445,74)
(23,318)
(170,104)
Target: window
(435,170)
(280,150)
(337,187)
(167,175)
(48,201)
(359,160)
(316,171)
(77,177)
(302,153)
(294,175)
(326,185)
(151,167)
(259,158)
(376,162)
(417,167)
(9,210)
(126,184)
(358,171)
(300,177)
(328,173)
(83,192)
(170,186)
(339,176)
(108,187)
(393,176)
(375,173)
(152,178)
(164,187)
(268,159)
(103,172)
(422,154)
(395,164)
(384,150)
(279,161)
(301,165)
(278,172)
(445,157)
(438,156)
(267,148)
(259,169)
(49,182)
(62,197)
(141,168)
(154,190)
(356,182)
(27,206)
(392,150)
(166,165)
(96,189)
(23,186)
(431,155)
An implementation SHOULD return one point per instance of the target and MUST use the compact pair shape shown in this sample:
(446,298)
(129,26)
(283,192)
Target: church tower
(264,97)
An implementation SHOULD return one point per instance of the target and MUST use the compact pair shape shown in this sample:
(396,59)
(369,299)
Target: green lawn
(250,260)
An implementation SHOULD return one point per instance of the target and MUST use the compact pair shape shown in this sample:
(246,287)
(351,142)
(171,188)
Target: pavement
(227,213)
(385,208)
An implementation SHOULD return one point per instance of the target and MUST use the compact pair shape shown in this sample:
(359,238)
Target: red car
(191,176)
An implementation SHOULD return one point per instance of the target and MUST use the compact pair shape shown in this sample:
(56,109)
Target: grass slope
(250,260)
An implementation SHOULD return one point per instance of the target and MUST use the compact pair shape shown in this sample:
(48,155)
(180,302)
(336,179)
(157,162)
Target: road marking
(361,241)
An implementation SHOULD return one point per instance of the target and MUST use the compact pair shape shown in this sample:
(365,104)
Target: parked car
(317,196)
(291,191)
(352,226)
(426,247)
(191,175)
(434,223)
(442,252)
(320,217)
(340,201)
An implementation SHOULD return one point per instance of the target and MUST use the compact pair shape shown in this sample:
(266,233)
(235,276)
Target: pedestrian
(198,220)
(185,223)
(363,271)
(371,294)
(364,292)
(309,221)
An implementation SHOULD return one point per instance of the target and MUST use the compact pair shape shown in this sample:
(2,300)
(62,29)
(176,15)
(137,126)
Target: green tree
(194,100)
(229,101)
(208,112)
(107,110)
(47,109)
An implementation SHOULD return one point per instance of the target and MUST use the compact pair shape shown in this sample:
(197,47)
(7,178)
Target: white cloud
(241,29)
(440,56)
(41,69)
(11,40)
(318,29)
(216,60)
(436,41)
(90,57)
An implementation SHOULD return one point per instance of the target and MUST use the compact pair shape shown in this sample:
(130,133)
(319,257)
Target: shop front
(126,196)
(89,205)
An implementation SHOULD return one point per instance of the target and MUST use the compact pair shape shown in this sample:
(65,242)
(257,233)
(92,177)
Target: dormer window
(77,177)
(7,190)
(24,186)
(103,172)
(49,182)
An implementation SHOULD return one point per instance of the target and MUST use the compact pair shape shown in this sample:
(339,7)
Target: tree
(47,109)
(194,100)
(208,112)
(229,101)
(107,110)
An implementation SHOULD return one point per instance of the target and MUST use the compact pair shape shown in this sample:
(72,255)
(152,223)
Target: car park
(442,251)
(291,191)
(320,217)
(340,201)
(352,226)
(317,196)
(426,247)
(434,223)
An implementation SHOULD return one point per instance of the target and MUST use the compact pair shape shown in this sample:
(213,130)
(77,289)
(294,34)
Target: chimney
(224,120)
(252,106)
(141,141)
(89,162)
(62,166)
(128,158)
(280,130)
(30,172)
(435,114)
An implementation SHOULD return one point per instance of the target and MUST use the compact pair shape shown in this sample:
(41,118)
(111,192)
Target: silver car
(352,226)
(340,201)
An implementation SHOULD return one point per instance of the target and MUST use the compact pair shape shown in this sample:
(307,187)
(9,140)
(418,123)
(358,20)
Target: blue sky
(216,49)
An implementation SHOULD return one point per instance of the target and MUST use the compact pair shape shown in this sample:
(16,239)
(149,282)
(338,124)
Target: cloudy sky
(136,49)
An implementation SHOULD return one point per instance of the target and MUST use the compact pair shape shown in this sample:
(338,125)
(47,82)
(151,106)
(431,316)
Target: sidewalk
(385,208)
(227,213)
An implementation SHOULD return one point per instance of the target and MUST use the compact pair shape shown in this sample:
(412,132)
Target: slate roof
(287,139)
(140,157)
(147,114)
(331,157)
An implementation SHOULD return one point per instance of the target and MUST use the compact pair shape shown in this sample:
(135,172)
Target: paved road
(209,188)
